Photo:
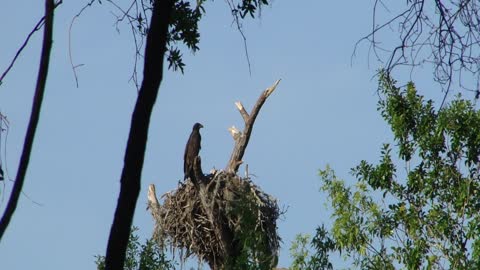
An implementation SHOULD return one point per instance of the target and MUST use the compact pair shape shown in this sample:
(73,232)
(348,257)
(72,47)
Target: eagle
(191,150)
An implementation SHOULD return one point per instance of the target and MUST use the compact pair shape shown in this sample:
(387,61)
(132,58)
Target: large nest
(223,218)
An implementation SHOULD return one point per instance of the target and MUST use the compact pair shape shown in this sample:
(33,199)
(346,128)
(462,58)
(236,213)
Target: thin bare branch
(34,117)
(444,35)
(239,26)
(74,67)
(37,27)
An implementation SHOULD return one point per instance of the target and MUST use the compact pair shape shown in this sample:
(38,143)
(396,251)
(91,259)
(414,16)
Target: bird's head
(197,126)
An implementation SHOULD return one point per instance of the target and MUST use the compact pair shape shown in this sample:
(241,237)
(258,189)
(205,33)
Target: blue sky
(323,112)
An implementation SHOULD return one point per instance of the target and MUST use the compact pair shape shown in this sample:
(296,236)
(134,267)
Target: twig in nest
(223,220)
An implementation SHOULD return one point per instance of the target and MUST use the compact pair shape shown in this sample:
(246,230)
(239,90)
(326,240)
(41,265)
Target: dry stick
(74,67)
(152,199)
(241,141)
(135,153)
(242,111)
(37,27)
(34,117)
(236,19)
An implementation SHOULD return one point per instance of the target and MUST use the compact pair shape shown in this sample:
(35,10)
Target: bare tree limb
(137,141)
(37,27)
(242,111)
(234,132)
(152,199)
(154,207)
(137,16)
(440,33)
(238,23)
(242,141)
(34,117)
(74,67)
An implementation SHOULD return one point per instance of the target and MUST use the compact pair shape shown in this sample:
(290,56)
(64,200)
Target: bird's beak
(201,126)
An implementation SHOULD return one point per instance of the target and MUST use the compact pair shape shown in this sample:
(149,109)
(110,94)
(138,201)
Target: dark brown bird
(191,150)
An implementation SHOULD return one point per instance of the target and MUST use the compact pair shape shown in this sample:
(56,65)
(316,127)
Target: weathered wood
(242,111)
(152,199)
(242,138)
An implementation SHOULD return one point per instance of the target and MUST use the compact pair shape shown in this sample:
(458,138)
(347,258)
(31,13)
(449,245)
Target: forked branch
(242,138)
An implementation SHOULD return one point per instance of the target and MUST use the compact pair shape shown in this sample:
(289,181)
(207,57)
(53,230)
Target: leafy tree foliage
(422,213)
(303,259)
(184,25)
(299,252)
(183,30)
(148,256)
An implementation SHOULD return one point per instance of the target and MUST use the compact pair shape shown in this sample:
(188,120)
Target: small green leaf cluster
(183,28)
(428,214)
(148,256)
(301,251)
(257,250)
(248,7)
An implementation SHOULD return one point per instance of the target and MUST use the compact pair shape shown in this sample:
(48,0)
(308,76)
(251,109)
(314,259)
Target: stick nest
(223,216)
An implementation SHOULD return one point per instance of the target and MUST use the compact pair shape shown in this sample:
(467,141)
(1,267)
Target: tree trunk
(137,140)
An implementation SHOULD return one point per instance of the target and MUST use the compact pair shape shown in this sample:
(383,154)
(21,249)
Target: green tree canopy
(419,209)
(148,256)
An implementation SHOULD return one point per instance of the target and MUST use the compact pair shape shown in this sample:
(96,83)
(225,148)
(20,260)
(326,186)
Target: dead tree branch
(241,141)
(34,117)
(237,20)
(74,67)
(153,204)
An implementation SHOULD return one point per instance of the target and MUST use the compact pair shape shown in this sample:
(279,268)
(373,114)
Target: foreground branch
(242,138)
(137,140)
(34,117)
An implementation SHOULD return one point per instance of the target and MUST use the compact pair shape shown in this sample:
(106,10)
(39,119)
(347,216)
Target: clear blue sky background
(323,112)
